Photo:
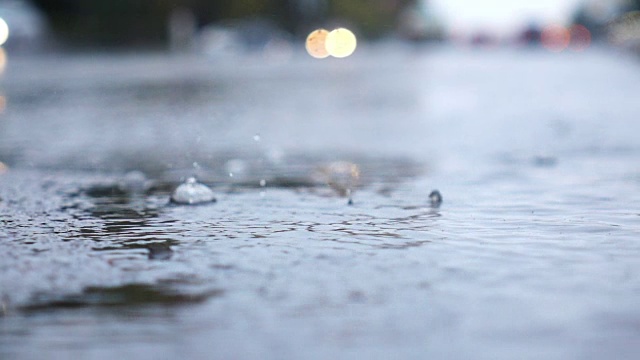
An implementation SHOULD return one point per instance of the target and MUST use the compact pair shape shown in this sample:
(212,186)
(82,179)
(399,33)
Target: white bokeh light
(4,31)
(340,43)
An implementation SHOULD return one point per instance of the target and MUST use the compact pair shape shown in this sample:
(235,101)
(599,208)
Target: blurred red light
(580,38)
(555,38)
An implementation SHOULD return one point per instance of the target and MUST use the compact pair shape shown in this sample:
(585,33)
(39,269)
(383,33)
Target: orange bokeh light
(555,38)
(339,43)
(315,44)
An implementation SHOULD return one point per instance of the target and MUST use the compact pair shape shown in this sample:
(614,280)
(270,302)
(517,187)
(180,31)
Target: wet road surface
(532,254)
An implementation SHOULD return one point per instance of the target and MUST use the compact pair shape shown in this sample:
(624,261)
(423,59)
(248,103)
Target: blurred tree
(597,18)
(110,22)
(136,22)
(372,17)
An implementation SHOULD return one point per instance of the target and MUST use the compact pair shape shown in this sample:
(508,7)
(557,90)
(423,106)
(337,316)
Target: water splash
(342,176)
(191,192)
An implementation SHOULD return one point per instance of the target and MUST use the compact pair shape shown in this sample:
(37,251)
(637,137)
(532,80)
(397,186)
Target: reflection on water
(533,251)
(126,295)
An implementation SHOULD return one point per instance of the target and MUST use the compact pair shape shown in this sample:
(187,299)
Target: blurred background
(520,112)
(219,26)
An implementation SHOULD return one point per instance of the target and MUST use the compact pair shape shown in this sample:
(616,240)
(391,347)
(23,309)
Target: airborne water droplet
(256,137)
(263,183)
(435,198)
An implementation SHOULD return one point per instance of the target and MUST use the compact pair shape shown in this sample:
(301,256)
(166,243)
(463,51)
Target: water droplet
(263,183)
(256,137)
(196,165)
(350,201)
(230,174)
(435,198)
(191,192)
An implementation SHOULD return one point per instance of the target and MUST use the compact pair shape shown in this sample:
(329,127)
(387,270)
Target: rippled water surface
(534,252)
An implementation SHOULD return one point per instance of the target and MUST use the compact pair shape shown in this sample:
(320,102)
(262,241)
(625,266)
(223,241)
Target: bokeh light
(340,43)
(580,38)
(3,168)
(4,31)
(555,38)
(315,44)
(3,60)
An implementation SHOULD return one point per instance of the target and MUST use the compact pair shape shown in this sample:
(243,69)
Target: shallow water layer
(532,254)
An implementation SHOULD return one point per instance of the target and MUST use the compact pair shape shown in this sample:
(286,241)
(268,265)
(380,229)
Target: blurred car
(530,35)
(420,23)
(248,36)
(26,24)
